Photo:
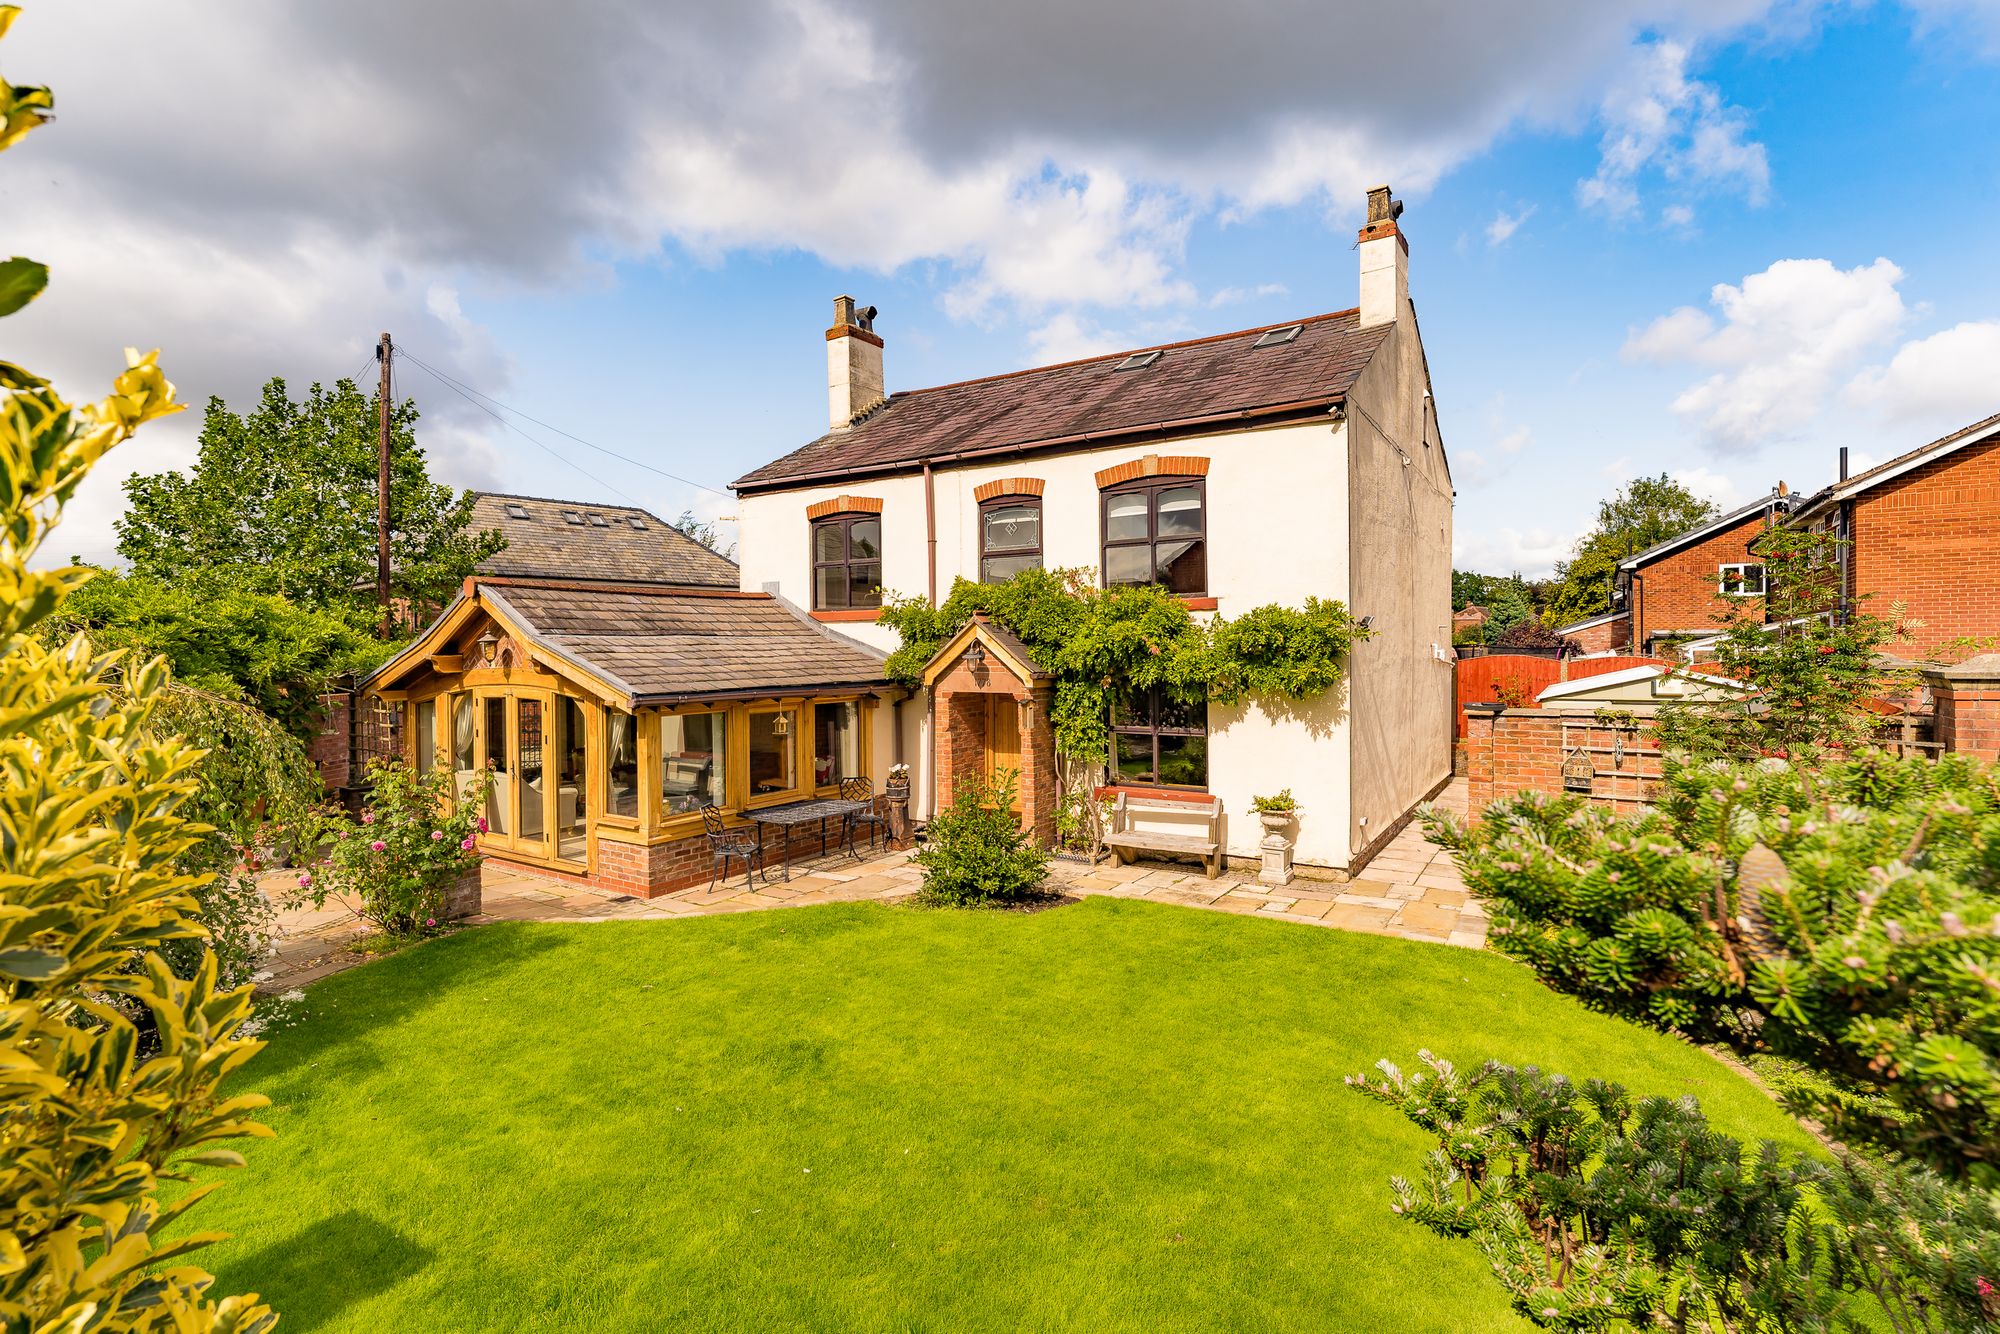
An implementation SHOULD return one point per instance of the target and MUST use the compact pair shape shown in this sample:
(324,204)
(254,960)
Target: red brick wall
(1678,591)
(331,749)
(961,749)
(1927,539)
(1607,637)
(1968,713)
(1522,750)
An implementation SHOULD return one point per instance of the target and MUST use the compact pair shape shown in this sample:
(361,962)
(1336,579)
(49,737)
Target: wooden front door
(1003,742)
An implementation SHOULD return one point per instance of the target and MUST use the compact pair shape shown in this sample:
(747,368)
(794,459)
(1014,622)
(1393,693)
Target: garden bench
(1128,842)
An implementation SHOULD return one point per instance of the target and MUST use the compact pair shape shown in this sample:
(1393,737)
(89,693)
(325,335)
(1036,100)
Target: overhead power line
(474,397)
(558,457)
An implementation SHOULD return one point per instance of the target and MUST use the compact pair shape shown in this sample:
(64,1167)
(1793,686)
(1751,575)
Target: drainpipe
(930,529)
(1844,534)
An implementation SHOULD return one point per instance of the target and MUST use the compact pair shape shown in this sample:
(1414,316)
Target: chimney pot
(854,382)
(1385,261)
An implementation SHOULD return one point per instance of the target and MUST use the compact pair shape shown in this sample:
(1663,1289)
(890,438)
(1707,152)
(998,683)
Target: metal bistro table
(795,813)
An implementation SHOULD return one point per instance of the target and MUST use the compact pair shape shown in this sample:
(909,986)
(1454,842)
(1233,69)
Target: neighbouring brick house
(1923,530)
(1472,617)
(1262,466)
(1687,586)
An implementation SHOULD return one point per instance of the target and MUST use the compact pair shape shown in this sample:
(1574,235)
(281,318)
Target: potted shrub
(1276,813)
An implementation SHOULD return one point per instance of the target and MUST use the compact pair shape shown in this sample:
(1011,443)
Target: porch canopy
(607,711)
(990,702)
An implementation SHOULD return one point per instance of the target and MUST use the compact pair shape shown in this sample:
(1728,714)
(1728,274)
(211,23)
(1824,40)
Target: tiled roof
(661,646)
(1196,385)
(620,542)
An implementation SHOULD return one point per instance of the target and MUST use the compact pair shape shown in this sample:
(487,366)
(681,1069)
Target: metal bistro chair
(860,789)
(723,844)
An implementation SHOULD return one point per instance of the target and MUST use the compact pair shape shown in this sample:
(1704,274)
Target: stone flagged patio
(1410,890)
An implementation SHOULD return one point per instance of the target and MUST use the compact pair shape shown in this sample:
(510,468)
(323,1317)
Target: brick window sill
(1199,604)
(867,614)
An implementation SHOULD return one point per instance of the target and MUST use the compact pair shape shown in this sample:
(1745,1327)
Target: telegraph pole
(385,351)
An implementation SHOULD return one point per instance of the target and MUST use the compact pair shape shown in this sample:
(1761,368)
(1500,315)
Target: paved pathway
(1411,889)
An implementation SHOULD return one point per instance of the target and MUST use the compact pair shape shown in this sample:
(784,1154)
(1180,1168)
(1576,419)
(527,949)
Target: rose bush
(414,838)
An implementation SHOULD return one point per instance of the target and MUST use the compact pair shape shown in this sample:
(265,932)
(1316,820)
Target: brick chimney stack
(1385,261)
(854,381)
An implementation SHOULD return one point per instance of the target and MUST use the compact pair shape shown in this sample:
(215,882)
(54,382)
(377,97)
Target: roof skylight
(1279,337)
(571,516)
(517,512)
(638,524)
(599,521)
(1138,361)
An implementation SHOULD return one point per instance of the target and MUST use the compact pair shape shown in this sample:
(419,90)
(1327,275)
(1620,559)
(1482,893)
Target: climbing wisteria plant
(1099,643)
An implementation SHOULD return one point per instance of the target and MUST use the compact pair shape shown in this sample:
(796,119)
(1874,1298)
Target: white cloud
(1949,377)
(1533,552)
(1787,338)
(1711,486)
(1505,224)
(1501,450)
(1070,337)
(1977,19)
(1659,123)
(1230,296)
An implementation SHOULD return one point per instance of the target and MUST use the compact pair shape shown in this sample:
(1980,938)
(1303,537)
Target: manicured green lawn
(1111,1116)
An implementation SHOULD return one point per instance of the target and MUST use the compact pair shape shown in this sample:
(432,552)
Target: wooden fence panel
(1482,680)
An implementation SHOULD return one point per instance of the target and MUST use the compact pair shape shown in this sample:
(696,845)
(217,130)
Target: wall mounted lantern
(487,642)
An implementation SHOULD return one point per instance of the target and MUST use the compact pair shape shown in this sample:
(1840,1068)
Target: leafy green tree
(1507,605)
(225,640)
(1645,512)
(283,500)
(1815,665)
(91,889)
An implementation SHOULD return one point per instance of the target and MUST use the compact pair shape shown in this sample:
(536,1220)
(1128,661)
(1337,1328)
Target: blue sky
(1579,183)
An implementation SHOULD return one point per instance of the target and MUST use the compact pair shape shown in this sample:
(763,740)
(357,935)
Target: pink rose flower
(470,843)
(482,824)
(437,835)
(368,817)
(430,921)
(379,846)
(305,879)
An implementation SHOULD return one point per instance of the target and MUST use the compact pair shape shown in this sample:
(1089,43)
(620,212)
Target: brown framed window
(1010,537)
(847,562)
(1158,740)
(1156,532)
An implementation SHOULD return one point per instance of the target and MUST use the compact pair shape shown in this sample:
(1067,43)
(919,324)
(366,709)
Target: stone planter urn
(1276,848)
(896,796)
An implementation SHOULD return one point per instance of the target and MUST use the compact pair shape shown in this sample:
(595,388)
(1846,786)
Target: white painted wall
(1278,531)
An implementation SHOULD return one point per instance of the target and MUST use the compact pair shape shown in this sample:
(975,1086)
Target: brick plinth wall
(462,896)
(1509,751)
(1968,706)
